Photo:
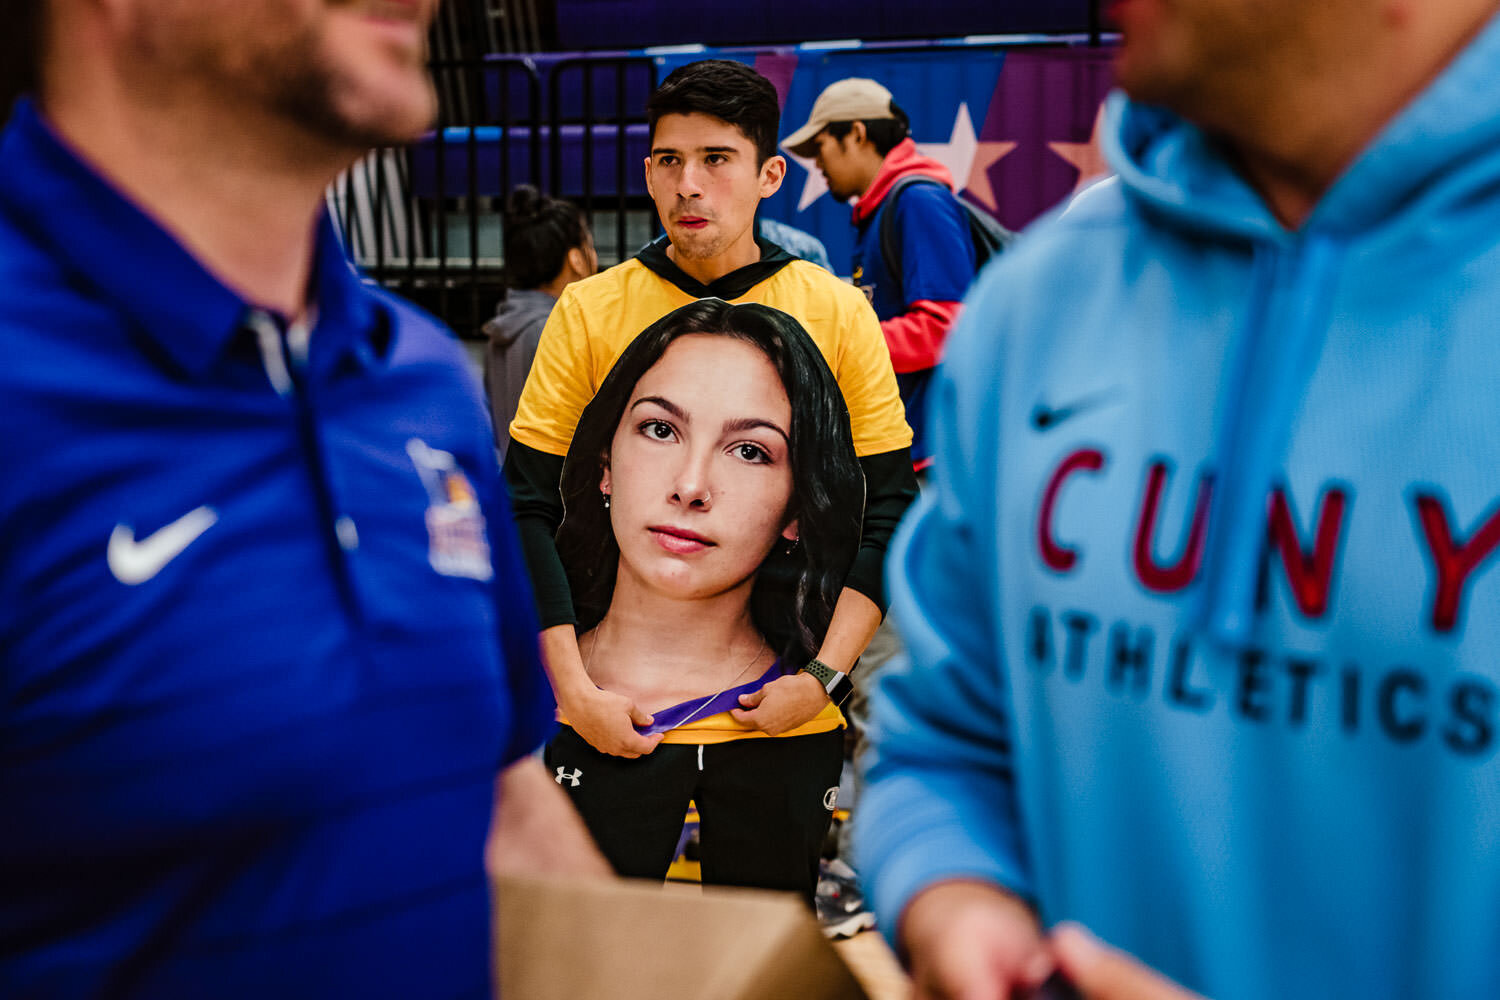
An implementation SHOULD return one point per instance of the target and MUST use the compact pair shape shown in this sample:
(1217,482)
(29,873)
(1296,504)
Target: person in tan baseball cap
(854,99)
(859,139)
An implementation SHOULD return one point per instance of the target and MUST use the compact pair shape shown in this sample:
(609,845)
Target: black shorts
(764,805)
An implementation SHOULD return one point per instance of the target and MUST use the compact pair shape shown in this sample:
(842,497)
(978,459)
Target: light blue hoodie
(1260,754)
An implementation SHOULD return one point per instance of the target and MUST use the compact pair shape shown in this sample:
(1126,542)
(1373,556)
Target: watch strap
(835,682)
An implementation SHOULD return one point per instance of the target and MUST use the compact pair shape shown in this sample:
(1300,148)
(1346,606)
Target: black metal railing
(426,220)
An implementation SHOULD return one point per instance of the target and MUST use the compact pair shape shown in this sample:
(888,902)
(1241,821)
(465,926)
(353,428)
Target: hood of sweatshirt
(1420,174)
(515,313)
(902,161)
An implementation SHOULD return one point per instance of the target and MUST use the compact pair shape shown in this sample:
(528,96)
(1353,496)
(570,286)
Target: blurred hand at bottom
(1100,972)
(970,940)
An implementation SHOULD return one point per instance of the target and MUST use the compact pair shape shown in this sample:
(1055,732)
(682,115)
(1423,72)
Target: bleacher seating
(504,158)
(620,24)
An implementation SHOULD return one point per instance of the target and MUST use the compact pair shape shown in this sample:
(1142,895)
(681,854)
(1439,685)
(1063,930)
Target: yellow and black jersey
(596,319)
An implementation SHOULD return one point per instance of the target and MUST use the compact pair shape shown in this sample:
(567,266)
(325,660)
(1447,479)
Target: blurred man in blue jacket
(267,646)
(1204,604)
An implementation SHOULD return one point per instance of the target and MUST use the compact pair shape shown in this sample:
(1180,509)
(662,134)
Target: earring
(606,499)
(789,545)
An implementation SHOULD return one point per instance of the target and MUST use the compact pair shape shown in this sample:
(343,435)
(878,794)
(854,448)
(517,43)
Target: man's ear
(772,173)
(646,165)
(858,134)
(791,532)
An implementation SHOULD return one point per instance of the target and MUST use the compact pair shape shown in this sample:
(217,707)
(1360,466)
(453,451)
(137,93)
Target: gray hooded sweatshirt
(513,333)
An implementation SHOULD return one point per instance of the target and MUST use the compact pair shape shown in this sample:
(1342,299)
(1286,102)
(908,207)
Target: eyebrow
(659,150)
(730,426)
(750,423)
(664,403)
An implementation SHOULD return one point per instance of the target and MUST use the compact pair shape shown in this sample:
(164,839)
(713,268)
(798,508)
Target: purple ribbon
(699,708)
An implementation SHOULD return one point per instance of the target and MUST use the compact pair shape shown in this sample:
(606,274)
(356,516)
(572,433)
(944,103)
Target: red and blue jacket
(918,306)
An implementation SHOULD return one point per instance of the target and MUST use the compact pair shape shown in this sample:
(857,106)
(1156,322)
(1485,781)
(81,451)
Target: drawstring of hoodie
(1269,371)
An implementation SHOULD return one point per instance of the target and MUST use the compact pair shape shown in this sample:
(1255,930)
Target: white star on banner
(815,186)
(957,154)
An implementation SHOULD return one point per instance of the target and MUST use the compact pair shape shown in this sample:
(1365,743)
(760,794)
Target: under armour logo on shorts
(571,777)
(830,797)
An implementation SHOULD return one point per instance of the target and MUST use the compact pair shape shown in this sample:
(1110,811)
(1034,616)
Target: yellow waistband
(722,727)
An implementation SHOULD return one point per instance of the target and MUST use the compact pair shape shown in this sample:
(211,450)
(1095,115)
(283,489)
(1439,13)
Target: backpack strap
(890,239)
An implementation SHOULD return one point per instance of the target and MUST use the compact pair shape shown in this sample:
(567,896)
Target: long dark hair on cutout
(792,600)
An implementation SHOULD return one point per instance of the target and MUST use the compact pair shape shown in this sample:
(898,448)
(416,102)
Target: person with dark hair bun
(547,247)
(713,500)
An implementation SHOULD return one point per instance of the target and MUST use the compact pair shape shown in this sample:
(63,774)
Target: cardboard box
(566,939)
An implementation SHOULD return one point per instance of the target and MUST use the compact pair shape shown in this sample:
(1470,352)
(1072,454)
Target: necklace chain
(759,647)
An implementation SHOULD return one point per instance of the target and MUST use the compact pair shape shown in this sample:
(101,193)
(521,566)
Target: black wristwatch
(835,682)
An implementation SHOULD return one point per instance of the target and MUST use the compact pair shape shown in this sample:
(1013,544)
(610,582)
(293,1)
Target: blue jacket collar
(96,232)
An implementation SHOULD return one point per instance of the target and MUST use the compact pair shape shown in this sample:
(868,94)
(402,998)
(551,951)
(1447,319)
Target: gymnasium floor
(874,966)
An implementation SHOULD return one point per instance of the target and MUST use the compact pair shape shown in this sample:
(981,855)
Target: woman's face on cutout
(699,474)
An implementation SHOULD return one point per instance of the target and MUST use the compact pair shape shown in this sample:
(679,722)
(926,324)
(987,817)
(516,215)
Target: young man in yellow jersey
(713,158)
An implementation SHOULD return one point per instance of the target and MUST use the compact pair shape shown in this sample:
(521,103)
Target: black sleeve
(890,487)
(533,478)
